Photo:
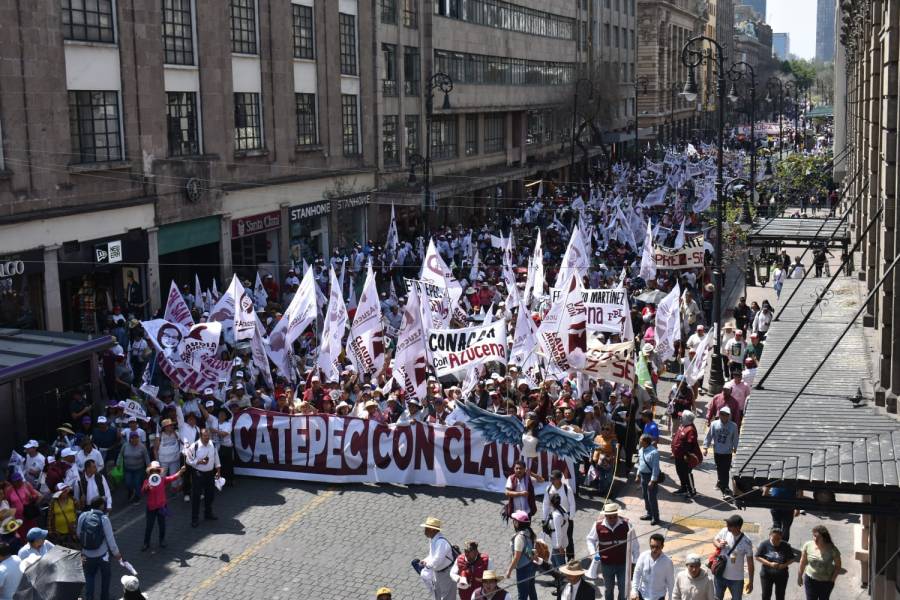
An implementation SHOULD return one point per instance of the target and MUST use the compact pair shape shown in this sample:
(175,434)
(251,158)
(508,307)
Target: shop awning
(24,352)
(787,232)
(833,438)
(821,112)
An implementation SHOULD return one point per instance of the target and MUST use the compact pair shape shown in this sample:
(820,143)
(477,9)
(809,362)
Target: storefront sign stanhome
(310,211)
(256,224)
(108,252)
(353,201)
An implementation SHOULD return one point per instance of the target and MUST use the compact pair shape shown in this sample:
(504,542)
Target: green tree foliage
(803,72)
(801,175)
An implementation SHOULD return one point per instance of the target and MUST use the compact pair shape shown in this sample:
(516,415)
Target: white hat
(315,378)
(239,374)
(66,453)
(31,444)
(130,583)
(236,362)
(61,486)
(589,409)
(239,386)
(725,410)
(101,419)
(208,391)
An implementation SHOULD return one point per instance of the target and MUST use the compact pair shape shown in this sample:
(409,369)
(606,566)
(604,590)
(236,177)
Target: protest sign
(690,256)
(612,362)
(335,449)
(606,309)
(453,350)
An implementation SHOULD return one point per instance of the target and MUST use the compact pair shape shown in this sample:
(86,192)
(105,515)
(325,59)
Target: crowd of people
(160,443)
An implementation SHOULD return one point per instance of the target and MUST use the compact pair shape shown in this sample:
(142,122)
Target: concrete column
(284,242)
(153,286)
(225,251)
(52,296)
(523,135)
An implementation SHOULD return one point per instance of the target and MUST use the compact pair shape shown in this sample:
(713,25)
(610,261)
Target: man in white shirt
(559,486)
(434,569)
(88,452)
(694,340)
(654,573)
(91,485)
(739,549)
(10,572)
(203,459)
(34,463)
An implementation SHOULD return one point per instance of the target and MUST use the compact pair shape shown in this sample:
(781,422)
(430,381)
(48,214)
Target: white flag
(409,358)
(694,369)
(436,271)
(648,260)
(177,310)
(198,295)
(679,239)
(259,294)
(562,334)
(657,196)
(393,239)
(668,324)
(473,272)
(300,313)
(524,341)
(537,262)
(365,346)
(574,260)
(332,331)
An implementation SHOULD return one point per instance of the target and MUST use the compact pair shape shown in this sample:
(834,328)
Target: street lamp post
(578,85)
(770,84)
(640,87)
(443,82)
(693,54)
(793,90)
(735,73)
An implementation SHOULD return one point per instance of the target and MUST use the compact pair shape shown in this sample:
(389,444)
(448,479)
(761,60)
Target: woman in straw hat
(490,588)
(9,533)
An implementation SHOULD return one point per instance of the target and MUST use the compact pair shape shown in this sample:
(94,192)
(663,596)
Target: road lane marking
(258,545)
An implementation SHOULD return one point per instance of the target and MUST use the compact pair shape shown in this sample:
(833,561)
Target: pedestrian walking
(10,572)
(614,547)
(468,569)
(722,435)
(782,518)
(654,573)
(203,459)
(778,277)
(434,569)
(131,588)
(694,582)
(134,459)
(775,555)
(687,455)
(520,491)
(489,589)
(575,587)
(97,544)
(820,565)
(523,557)
(62,517)
(737,550)
(559,486)
(154,487)
(648,477)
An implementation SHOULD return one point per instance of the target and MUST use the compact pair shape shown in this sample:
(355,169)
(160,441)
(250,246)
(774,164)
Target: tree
(803,71)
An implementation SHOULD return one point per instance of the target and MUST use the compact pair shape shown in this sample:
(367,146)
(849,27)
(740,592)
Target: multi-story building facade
(513,66)
(664,27)
(758,5)
(781,45)
(151,140)
(825,31)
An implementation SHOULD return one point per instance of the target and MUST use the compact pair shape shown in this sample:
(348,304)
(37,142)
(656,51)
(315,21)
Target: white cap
(589,409)
(31,444)
(208,391)
(237,362)
(67,452)
(101,419)
(725,410)
(315,378)
(239,386)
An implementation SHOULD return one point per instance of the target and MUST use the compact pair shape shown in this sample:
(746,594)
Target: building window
(243,26)
(535,128)
(95,127)
(471,135)
(502,70)
(411,70)
(178,32)
(631,36)
(181,118)
(607,36)
(350,124)
(509,16)
(494,133)
(389,12)
(443,137)
(304,44)
(248,133)
(411,125)
(348,44)
(616,37)
(389,139)
(389,82)
(307,126)
(411,13)
(88,20)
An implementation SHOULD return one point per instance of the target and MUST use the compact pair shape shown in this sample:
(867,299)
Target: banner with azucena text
(455,350)
(335,449)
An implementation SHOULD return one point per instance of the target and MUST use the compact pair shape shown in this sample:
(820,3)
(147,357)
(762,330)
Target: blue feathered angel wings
(509,429)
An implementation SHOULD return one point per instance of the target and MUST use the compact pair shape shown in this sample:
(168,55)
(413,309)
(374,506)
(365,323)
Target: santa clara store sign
(255,224)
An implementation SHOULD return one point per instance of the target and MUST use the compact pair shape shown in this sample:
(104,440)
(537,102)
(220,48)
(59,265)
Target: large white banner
(454,350)
(336,449)
(606,309)
(688,257)
(612,362)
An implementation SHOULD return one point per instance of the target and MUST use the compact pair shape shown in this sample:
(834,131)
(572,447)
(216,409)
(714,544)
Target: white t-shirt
(519,502)
(734,567)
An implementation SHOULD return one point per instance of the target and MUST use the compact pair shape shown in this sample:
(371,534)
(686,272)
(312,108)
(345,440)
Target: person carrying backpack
(434,569)
(95,533)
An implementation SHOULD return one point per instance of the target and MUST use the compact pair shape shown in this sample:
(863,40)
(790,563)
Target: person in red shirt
(469,568)
(724,399)
(157,503)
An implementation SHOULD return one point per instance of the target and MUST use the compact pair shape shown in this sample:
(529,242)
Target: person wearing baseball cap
(738,550)
(37,543)
(383,593)
(722,435)
(34,463)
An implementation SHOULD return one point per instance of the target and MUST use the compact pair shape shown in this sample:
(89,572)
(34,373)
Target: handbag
(718,560)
